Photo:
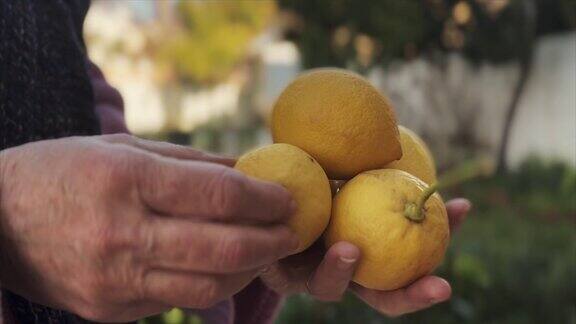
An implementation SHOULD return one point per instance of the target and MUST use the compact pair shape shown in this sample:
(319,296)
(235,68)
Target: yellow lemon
(416,157)
(377,211)
(338,118)
(298,172)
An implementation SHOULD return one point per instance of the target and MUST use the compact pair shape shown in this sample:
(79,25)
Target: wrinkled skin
(115,228)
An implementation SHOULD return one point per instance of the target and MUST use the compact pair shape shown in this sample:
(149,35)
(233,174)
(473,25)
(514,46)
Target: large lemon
(416,157)
(303,177)
(376,211)
(338,118)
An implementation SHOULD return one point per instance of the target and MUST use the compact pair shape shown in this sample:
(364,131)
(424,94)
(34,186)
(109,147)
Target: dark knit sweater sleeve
(44,87)
(44,93)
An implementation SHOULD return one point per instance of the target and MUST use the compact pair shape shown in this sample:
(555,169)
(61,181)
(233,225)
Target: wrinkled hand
(327,275)
(115,228)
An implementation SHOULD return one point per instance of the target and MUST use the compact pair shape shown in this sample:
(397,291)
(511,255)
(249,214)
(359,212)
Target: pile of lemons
(331,124)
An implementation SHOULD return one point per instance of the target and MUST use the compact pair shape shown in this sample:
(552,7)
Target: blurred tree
(360,34)
(330,32)
(209,42)
(525,20)
(212,38)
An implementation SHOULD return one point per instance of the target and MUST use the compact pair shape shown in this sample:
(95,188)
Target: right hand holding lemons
(387,209)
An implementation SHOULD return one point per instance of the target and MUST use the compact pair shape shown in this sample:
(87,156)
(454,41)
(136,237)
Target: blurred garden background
(490,78)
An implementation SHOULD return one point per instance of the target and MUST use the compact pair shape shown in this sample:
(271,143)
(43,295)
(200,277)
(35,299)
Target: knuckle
(144,240)
(228,189)
(107,167)
(104,242)
(170,186)
(98,160)
(231,252)
(161,181)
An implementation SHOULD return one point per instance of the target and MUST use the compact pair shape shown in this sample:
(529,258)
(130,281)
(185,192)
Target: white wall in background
(108,27)
(432,100)
(546,121)
(435,101)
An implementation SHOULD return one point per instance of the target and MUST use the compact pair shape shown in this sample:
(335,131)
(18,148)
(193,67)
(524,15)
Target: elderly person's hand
(326,275)
(114,228)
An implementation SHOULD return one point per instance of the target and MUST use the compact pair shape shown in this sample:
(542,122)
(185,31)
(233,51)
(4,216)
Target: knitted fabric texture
(45,93)
(44,87)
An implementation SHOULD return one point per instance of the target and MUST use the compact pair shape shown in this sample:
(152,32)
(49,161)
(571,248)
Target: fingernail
(466,204)
(345,263)
(439,291)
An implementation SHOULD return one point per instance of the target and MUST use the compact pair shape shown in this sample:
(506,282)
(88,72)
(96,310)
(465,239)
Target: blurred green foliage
(212,37)
(513,260)
(407,28)
(325,29)
(393,24)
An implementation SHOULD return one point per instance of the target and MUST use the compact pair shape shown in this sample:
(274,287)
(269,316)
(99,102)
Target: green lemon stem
(467,171)
(415,211)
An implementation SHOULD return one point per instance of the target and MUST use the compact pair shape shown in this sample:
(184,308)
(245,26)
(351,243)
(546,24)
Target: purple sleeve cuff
(256,304)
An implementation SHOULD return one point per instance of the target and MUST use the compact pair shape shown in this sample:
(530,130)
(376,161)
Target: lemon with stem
(399,223)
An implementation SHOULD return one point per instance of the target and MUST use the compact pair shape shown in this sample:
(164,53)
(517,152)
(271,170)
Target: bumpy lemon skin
(340,119)
(416,157)
(369,212)
(298,172)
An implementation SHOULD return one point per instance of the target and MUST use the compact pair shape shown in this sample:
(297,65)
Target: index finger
(197,189)
(177,244)
(333,275)
(457,210)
